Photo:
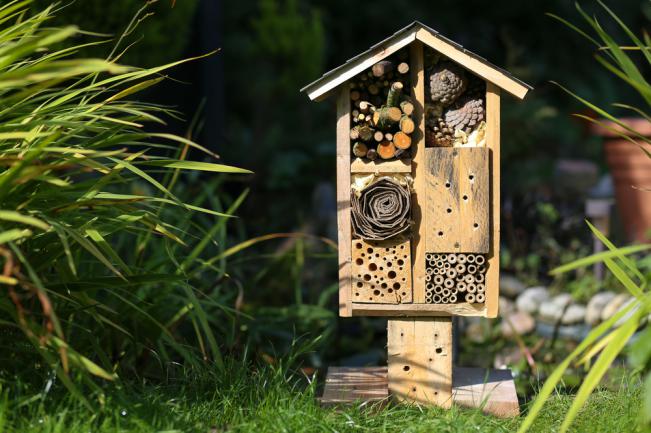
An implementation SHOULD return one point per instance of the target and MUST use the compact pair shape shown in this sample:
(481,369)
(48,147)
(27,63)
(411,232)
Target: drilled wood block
(457,210)
(420,360)
(381,271)
(491,390)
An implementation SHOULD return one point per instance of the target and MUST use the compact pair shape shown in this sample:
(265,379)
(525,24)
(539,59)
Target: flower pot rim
(639,124)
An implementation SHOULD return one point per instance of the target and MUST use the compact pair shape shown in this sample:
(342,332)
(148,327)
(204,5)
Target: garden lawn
(271,400)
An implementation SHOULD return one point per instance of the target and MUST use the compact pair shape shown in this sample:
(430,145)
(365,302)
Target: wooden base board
(473,387)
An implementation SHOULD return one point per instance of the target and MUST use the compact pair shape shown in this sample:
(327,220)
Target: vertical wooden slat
(474,200)
(442,200)
(420,360)
(343,201)
(493,142)
(418,171)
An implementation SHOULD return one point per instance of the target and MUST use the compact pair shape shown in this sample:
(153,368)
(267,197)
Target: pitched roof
(321,88)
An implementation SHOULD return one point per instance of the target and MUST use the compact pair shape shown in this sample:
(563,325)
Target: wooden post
(420,360)
(344,240)
(493,142)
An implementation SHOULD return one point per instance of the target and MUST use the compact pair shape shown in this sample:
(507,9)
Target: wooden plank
(321,89)
(442,218)
(419,310)
(492,390)
(418,170)
(487,72)
(346,385)
(343,200)
(474,189)
(360,165)
(474,386)
(493,143)
(381,271)
(420,360)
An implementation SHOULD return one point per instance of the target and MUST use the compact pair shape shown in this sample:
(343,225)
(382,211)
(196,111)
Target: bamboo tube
(481,269)
(460,268)
(446,293)
(452,258)
(471,288)
(438,280)
(428,299)
(481,288)
(459,279)
(451,273)
(428,278)
(432,263)
(429,256)
(461,286)
(436,257)
(469,279)
(471,269)
(461,258)
(438,289)
(479,278)
(470,298)
(480,298)
(447,266)
(429,286)
(436,299)
(429,271)
(453,299)
(448,283)
(439,264)
(471,258)
(480,259)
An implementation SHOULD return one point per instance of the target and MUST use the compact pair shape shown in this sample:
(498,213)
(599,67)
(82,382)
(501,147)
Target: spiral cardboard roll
(381,211)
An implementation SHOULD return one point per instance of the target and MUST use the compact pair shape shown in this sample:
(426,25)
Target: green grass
(268,399)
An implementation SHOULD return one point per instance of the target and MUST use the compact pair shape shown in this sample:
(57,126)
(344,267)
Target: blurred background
(247,106)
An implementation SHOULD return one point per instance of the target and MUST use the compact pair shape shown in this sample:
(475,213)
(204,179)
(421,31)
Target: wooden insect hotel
(418,206)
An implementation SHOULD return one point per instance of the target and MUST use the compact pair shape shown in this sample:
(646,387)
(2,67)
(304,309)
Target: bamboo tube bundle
(453,276)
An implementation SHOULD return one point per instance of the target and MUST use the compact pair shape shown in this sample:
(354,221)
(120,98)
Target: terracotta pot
(630,168)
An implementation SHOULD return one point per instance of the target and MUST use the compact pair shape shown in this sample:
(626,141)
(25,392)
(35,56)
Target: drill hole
(358,245)
(465,198)
(439,350)
(447,184)
(367,277)
(406,368)
(449,210)
(359,262)
(372,267)
(440,233)
(471,177)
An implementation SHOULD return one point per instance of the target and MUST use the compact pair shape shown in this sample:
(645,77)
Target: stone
(530,300)
(575,313)
(517,322)
(510,286)
(551,312)
(562,300)
(613,306)
(506,306)
(571,332)
(595,307)
(475,330)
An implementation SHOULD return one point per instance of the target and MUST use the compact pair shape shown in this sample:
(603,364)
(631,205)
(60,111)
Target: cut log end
(386,150)
(402,140)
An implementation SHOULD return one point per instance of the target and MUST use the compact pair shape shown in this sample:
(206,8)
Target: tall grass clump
(101,257)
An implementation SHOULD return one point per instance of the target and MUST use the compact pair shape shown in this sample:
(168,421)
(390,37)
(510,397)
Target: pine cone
(466,114)
(446,82)
(439,133)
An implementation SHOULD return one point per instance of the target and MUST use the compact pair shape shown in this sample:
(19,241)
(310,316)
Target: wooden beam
(418,310)
(442,217)
(418,171)
(420,360)
(360,165)
(343,201)
(474,65)
(493,143)
(474,200)
(321,88)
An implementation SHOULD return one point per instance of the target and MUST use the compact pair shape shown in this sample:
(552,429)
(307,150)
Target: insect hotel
(418,211)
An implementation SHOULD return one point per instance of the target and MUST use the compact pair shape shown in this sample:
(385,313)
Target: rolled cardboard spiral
(382,210)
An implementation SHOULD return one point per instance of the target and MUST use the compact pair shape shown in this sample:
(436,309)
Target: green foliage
(167,25)
(91,229)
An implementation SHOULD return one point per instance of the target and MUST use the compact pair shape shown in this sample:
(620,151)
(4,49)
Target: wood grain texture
(491,390)
(457,211)
(360,165)
(474,189)
(419,310)
(418,170)
(343,201)
(381,271)
(493,143)
(442,200)
(420,360)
